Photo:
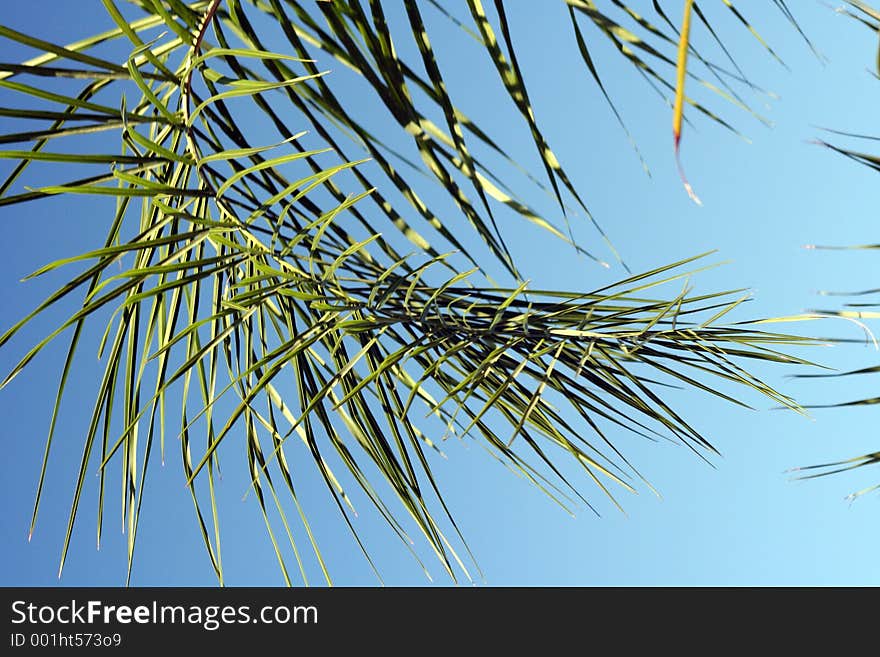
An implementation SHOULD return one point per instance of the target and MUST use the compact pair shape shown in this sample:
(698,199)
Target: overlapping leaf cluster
(243,304)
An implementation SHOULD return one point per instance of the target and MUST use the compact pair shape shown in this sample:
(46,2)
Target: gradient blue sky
(741,522)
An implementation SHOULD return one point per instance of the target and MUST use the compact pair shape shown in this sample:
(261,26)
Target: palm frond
(861,309)
(244,287)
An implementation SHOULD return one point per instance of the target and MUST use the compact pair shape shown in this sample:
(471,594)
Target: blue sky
(740,522)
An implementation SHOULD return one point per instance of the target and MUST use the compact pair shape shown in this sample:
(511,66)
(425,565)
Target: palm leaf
(862,309)
(243,288)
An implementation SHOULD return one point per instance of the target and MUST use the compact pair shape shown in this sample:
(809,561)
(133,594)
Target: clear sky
(741,522)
